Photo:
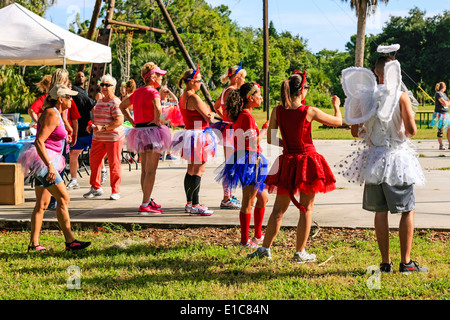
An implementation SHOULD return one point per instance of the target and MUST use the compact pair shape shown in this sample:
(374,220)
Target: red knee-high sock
(258,215)
(244,218)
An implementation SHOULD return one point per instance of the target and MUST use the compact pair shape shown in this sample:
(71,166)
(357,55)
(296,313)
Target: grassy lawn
(207,264)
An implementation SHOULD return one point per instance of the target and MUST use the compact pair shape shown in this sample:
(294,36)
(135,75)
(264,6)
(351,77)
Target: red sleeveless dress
(300,169)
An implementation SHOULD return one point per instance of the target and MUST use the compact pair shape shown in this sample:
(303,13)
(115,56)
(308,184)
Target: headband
(230,72)
(253,89)
(303,76)
(193,74)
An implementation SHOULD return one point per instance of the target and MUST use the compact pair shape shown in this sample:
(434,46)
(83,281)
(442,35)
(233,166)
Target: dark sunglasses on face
(306,87)
(106,85)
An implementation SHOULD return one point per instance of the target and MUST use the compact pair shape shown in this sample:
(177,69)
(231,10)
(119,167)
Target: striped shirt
(104,112)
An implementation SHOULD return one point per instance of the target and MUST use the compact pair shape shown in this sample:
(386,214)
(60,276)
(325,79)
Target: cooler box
(11,184)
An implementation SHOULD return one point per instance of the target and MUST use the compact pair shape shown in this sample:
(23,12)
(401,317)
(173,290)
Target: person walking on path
(148,137)
(236,78)
(84,139)
(108,139)
(441,119)
(197,142)
(246,167)
(45,161)
(387,165)
(300,170)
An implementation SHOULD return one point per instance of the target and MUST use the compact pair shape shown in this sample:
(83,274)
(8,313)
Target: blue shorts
(42,181)
(82,143)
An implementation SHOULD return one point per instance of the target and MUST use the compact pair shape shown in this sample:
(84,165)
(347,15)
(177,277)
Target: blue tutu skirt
(244,168)
(440,120)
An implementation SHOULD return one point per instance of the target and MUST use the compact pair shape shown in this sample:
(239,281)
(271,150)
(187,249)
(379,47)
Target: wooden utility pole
(92,25)
(266,58)
(182,48)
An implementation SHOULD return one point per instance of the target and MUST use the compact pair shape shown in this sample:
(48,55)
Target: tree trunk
(361,36)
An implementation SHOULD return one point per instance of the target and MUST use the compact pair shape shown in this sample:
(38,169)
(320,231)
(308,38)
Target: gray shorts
(383,197)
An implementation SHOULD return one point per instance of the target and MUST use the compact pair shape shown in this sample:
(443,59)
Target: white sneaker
(187,207)
(114,196)
(200,210)
(249,244)
(104,176)
(73,184)
(261,252)
(93,193)
(302,257)
(258,241)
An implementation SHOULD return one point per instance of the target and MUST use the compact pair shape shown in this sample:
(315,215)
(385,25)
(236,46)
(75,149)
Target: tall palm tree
(363,8)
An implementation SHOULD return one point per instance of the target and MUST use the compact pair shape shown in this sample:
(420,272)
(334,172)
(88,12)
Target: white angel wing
(392,90)
(388,49)
(359,85)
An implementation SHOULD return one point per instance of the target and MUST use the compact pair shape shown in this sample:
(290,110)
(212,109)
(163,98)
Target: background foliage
(217,43)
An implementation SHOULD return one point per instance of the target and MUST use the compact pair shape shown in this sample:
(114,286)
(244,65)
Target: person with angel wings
(382,116)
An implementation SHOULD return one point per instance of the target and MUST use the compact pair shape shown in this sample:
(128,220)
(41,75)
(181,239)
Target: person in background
(84,139)
(45,161)
(197,142)
(247,167)
(171,114)
(236,77)
(35,110)
(148,137)
(441,119)
(108,138)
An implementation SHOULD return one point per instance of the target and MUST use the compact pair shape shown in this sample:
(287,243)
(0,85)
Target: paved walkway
(340,208)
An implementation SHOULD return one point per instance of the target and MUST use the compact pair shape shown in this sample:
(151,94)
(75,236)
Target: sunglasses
(106,85)
(68,97)
(306,87)
(198,80)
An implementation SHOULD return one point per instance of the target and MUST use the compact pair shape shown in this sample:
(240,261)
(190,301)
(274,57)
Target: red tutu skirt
(307,173)
(172,115)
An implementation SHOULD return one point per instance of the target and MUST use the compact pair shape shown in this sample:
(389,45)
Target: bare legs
(406,232)
(149,164)
(61,195)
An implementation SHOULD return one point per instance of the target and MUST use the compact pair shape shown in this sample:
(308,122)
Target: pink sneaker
(154,204)
(149,210)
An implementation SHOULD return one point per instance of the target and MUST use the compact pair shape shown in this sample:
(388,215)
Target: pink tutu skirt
(32,163)
(153,138)
(172,115)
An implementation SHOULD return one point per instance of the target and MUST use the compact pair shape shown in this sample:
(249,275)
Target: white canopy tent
(27,39)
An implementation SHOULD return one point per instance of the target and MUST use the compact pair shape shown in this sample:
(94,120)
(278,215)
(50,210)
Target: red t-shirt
(142,101)
(37,105)
(246,132)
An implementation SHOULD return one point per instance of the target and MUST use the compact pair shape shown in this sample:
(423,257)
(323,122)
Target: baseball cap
(61,90)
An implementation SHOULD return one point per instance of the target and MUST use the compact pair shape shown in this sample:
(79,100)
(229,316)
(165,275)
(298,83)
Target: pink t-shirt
(142,101)
(104,113)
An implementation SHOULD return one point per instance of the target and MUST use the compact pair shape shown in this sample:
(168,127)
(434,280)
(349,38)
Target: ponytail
(237,100)
(290,88)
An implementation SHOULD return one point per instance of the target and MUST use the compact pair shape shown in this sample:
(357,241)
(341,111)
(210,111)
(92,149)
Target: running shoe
(170,157)
(386,267)
(302,257)
(229,204)
(77,245)
(73,184)
(114,196)
(412,266)
(441,147)
(235,200)
(258,241)
(249,244)
(149,210)
(154,204)
(36,248)
(261,252)
(200,210)
(187,207)
(52,204)
(93,193)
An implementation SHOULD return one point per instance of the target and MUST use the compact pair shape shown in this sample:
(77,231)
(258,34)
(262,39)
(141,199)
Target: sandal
(36,248)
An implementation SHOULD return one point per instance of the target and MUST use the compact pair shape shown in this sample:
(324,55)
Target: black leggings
(192,188)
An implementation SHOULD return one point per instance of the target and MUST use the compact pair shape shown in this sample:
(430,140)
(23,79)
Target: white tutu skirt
(376,165)
(33,165)
(195,145)
(153,138)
